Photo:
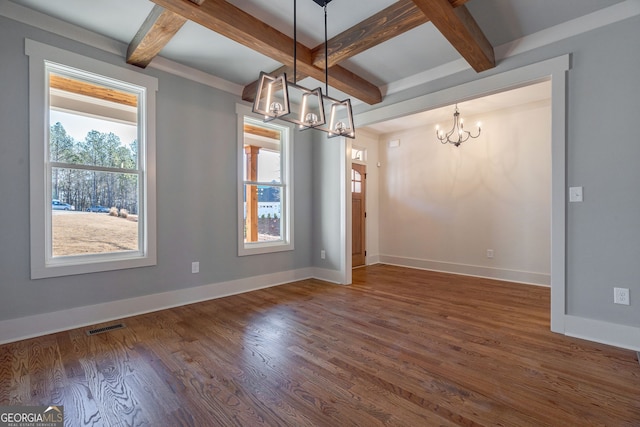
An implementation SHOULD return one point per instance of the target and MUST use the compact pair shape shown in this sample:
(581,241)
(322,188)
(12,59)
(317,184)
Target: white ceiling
(400,61)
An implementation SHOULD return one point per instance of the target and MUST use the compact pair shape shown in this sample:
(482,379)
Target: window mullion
(94,168)
(268,184)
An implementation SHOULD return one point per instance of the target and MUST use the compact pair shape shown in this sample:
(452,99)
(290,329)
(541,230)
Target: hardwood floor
(398,347)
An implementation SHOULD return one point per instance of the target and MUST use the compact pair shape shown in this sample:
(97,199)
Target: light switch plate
(575,194)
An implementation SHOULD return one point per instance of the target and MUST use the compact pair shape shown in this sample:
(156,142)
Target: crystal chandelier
(457,135)
(278,98)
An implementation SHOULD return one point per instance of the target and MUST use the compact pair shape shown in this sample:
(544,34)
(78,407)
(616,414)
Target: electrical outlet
(323,254)
(195,267)
(621,296)
(489,253)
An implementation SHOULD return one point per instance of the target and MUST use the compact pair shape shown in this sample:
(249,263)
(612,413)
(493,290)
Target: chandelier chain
(326,53)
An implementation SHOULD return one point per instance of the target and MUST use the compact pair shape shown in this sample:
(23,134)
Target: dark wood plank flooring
(399,347)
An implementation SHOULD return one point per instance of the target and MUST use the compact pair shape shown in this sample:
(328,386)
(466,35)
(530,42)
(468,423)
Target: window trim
(42,264)
(286,208)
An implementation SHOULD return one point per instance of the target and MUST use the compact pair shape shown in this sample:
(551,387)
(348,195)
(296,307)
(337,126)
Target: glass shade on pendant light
(277,98)
(272,97)
(307,110)
(340,118)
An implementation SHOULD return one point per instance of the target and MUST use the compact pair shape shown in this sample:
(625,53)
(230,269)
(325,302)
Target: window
(264,187)
(92,151)
(356,181)
(358,154)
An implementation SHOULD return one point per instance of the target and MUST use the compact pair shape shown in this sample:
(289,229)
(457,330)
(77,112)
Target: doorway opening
(553,70)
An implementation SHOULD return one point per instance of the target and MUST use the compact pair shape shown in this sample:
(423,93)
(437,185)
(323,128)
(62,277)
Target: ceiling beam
(237,25)
(154,34)
(461,30)
(396,19)
(156,31)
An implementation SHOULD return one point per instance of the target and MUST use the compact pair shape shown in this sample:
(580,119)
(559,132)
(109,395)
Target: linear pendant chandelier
(278,98)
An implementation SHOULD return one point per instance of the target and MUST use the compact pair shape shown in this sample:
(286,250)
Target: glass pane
(93,212)
(269,166)
(95,148)
(358,187)
(266,163)
(265,225)
(92,124)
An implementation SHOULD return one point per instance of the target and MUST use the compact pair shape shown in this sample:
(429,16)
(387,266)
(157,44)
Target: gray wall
(603,155)
(196,193)
(603,148)
(326,212)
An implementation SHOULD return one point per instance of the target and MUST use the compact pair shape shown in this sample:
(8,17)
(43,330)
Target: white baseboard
(622,336)
(373,259)
(526,277)
(47,323)
(333,276)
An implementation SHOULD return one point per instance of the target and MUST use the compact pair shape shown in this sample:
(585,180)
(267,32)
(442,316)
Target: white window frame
(43,264)
(286,202)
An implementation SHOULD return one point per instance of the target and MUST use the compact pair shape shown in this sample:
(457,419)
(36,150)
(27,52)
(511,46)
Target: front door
(358,214)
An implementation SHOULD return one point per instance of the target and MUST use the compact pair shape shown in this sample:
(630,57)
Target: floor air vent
(105,329)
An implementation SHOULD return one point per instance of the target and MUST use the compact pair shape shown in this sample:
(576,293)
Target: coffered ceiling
(372,44)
